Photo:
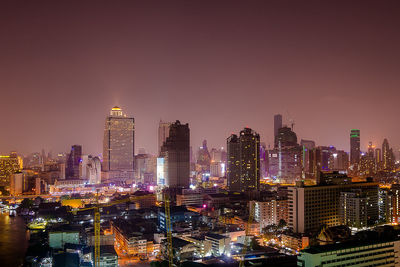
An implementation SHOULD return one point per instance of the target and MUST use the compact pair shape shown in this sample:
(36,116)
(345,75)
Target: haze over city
(329,66)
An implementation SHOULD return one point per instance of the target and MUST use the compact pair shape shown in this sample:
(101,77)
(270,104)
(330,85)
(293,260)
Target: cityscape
(222,166)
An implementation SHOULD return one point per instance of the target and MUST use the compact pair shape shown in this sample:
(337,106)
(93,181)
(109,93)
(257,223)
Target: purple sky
(218,65)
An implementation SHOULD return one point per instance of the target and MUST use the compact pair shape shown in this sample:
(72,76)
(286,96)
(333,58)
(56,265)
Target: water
(13,240)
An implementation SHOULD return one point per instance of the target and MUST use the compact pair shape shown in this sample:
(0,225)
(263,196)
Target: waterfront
(13,240)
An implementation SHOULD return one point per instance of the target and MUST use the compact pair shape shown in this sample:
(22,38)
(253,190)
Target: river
(13,240)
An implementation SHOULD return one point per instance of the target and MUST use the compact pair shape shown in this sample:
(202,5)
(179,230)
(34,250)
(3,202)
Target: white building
(371,253)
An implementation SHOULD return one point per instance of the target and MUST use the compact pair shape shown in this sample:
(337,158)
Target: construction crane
(169,230)
(247,231)
(96,224)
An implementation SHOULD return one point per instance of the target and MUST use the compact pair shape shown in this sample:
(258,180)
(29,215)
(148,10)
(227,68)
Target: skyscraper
(284,161)
(277,123)
(176,156)
(354,147)
(163,133)
(387,156)
(243,168)
(118,146)
(74,158)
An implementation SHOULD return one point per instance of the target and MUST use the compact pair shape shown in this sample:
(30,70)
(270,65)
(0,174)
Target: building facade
(243,166)
(118,146)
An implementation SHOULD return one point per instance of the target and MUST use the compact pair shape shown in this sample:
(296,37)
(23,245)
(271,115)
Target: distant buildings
(73,162)
(388,159)
(355,152)
(277,124)
(243,163)
(118,146)
(175,154)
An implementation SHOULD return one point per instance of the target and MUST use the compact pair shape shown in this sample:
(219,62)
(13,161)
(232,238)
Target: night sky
(218,65)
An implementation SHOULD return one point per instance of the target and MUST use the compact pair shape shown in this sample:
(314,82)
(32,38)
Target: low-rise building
(220,245)
(355,253)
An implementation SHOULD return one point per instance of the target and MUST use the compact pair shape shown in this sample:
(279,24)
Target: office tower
(378,158)
(163,132)
(90,169)
(17,181)
(74,159)
(204,158)
(339,161)
(354,147)
(277,124)
(145,169)
(311,207)
(9,165)
(388,159)
(118,146)
(175,153)
(284,161)
(243,167)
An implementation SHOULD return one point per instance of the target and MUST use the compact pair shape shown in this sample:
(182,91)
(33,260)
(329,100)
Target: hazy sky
(219,65)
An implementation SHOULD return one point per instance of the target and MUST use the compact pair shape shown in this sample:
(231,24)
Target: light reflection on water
(13,240)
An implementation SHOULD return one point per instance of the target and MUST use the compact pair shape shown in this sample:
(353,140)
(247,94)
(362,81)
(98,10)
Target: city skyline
(330,67)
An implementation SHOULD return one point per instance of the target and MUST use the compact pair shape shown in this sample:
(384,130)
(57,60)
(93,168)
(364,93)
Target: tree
(26,203)
(281,224)
(254,244)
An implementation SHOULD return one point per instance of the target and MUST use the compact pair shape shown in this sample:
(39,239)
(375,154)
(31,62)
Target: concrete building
(354,209)
(17,184)
(58,238)
(118,146)
(270,212)
(189,197)
(220,245)
(365,253)
(311,207)
(176,154)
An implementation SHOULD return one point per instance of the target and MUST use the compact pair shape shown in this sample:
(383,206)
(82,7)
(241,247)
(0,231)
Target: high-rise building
(388,159)
(9,165)
(355,147)
(243,167)
(311,207)
(284,161)
(17,181)
(176,154)
(118,146)
(163,133)
(277,123)
(90,169)
(73,162)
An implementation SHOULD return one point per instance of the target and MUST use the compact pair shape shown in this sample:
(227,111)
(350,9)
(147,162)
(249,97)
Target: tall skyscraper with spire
(118,146)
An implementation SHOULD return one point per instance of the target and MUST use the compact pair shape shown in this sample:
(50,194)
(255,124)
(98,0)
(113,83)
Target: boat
(35,225)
